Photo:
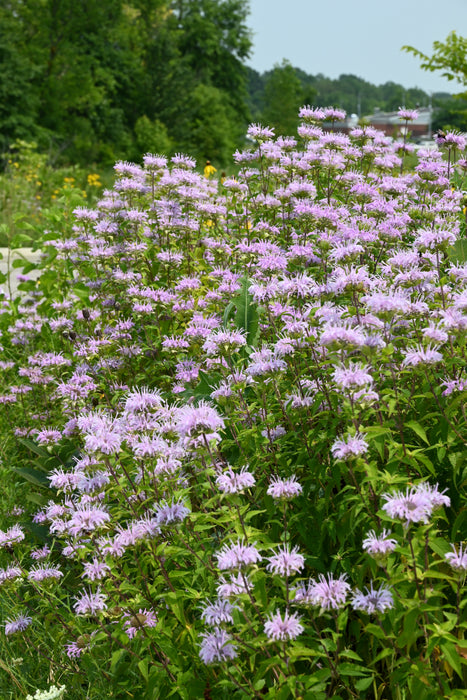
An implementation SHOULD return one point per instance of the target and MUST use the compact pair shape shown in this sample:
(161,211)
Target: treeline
(91,82)
(276,95)
(94,81)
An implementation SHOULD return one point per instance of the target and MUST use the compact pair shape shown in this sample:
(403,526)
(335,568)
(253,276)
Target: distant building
(344,126)
(393,126)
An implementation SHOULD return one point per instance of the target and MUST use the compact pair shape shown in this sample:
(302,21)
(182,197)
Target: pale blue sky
(362,37)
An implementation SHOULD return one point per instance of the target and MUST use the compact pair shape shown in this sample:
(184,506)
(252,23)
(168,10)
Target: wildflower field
(233,430)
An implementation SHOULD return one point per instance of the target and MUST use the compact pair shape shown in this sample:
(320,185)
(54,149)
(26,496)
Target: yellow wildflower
(209,169)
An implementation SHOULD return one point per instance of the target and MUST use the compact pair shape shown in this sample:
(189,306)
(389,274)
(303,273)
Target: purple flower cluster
(220,349)
(416,505)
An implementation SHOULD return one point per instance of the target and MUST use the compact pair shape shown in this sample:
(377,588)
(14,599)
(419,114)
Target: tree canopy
(93,82)
(79,76)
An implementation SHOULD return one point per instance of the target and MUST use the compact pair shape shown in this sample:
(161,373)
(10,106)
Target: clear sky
(362,37)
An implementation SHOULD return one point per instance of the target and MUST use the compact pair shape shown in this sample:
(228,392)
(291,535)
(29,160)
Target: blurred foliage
(355,95)
(94,82)
(284,94)
(450,59)
(33,194)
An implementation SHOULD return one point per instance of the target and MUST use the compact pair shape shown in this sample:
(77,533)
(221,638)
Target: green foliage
(152,136)
(449,57)
(451,115)
(283,97)
(355,95)
(34,195)
(209,130)
(83,78)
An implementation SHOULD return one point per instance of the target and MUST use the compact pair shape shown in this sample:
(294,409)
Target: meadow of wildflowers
(233,430)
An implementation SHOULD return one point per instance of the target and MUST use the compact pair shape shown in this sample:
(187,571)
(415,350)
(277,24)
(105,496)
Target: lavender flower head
(95,570)
(237,556)
(135,623)
(284,489)
(80,646)
(407,114)
(217,647)
(12,536)
(217,613)
(258,132)
(328,593)
(379,547)
(11,573)
(373,601)
(282,629)
(232,482)
(416,505)
(166,513)
(237,584)
(457,559)
(286,561)
(17,624)
(89,603)
(203,419)
(350,447)
(42,572)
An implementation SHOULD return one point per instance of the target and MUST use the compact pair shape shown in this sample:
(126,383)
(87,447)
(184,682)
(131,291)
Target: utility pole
(430,116)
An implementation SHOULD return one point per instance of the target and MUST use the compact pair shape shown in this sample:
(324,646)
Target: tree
(449,57)
(283,97)
(450,114)
(85,73)
(208,130)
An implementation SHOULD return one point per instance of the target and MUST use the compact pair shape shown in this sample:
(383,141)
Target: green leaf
(439,546)
(228,313)
(37,498)
(34,448)
(364,683)
(411,630)
(458,524)
(20,240)
(32,475)
(116,658)
(458,251)
(175,603)
(417,428)
(375,631)
(81,291)
(247,316)
(41,532)
(348,669)
(452,657)
(143,667)
(19,262)
(203,389)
